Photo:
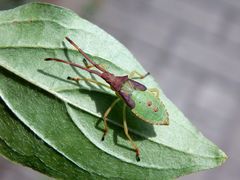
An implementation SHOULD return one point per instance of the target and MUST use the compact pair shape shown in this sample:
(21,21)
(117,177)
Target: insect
(143,102)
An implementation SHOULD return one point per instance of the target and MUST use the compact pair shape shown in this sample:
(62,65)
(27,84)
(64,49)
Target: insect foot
(137,155)
(104,134)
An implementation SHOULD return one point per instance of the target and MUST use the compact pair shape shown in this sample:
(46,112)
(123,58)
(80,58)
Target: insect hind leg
(128,136)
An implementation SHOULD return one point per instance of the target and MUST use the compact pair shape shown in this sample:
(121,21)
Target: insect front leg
(155,91)
(92,66)
(77,79)
(105,118)
(128,136)
(140,76)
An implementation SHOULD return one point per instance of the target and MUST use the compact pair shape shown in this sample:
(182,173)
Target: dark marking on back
(155,109)
(149,103)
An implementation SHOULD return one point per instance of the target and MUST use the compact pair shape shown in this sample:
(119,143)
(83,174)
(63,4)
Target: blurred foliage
(85,8)
(7,4)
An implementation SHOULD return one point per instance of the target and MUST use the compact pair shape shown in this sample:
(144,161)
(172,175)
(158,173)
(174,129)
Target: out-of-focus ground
(192,48)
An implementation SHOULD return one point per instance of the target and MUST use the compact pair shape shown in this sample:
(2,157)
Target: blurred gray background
(192,48)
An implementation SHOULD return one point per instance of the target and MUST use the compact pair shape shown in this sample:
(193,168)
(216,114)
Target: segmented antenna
(74,64)
(85,55)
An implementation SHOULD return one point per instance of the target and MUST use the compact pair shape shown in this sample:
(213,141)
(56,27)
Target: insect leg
(105,117)
(155,91)
(140,76)
(91,66)
(77,79)
(128,136)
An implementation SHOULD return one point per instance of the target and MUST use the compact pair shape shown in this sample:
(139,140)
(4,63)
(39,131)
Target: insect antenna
(74,64)
(85,55)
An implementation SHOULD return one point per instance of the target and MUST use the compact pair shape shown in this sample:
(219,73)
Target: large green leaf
(67,116)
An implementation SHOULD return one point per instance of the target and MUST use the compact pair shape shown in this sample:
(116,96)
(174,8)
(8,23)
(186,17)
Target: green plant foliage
(55,126)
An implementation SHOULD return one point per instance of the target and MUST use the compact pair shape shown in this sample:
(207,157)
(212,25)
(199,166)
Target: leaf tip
(222,157)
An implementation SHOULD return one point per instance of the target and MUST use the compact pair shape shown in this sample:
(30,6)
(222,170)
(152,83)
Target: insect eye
(149,103)
(155,109)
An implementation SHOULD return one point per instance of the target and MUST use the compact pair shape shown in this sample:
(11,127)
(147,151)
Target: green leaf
(20,144)
(67,116)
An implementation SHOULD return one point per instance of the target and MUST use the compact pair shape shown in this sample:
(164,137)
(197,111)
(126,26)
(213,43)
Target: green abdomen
(149,108)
